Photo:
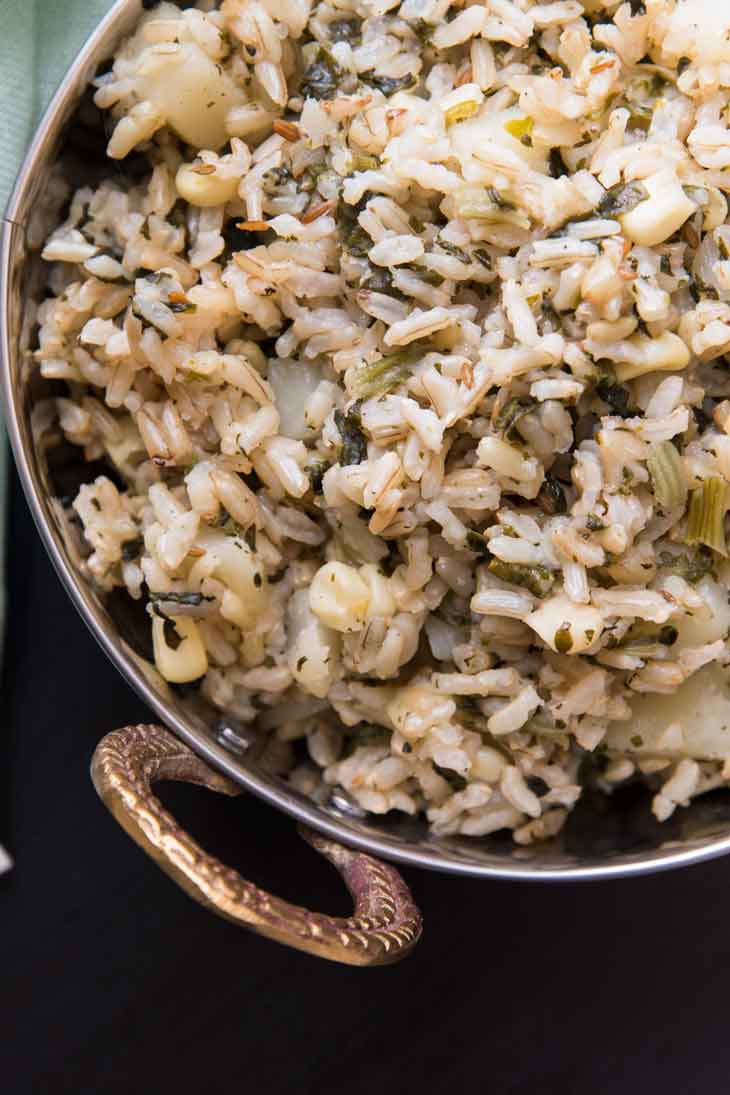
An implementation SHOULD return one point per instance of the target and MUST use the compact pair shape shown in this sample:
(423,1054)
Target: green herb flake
(692,566)
(316,474)
(379,279)
(551,497)
(345,30)
(381,376)
(621,199)
(537,579)
(563,639)
(389,84)
(475,542)
(616,395)
(497,198)
(354,443)
(172,636)
(510,414)
(355,239)
(320,79)
(453,250)
(483,257)
(190,599)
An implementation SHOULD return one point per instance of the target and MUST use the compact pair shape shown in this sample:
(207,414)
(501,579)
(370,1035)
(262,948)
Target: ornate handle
(385,924)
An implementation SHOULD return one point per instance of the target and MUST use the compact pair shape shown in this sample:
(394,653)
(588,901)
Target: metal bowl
(604,837)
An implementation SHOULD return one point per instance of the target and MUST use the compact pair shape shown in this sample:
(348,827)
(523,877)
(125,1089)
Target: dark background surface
(112,981)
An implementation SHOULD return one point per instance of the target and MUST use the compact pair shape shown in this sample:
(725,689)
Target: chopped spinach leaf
(354,443)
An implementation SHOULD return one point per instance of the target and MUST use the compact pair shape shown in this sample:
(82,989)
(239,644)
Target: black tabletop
(112,981)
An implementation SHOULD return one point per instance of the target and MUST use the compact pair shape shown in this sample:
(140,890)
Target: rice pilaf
(408,350)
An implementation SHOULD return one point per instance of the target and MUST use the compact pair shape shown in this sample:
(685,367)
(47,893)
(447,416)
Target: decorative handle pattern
(385,924)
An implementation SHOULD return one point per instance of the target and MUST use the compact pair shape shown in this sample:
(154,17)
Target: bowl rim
(104,35)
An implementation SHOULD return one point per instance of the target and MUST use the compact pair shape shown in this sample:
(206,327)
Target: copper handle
(385,924)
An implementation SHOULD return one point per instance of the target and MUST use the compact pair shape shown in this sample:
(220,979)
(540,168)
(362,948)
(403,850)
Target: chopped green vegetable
(345,30)
(551,497)
(537,579)
(382,376)
(621,199)
(379,279)
(483,257)
(429,276)
(510,414)
(354,238)
(453,250)
(389,84)
(692,566)
(172,636)
(320,79)
(191,599)
(354,442)
(475,542)
(667,476)
(461,112)
(615,395)
(316,474)
(276,177)
(707,508)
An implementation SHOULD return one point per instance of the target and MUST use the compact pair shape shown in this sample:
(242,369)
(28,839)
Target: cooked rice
(410,352)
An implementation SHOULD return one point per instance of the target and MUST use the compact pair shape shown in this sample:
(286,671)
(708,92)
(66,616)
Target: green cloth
(38,41)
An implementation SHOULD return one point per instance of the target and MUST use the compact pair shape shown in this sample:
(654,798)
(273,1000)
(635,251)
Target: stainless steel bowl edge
(403,842)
